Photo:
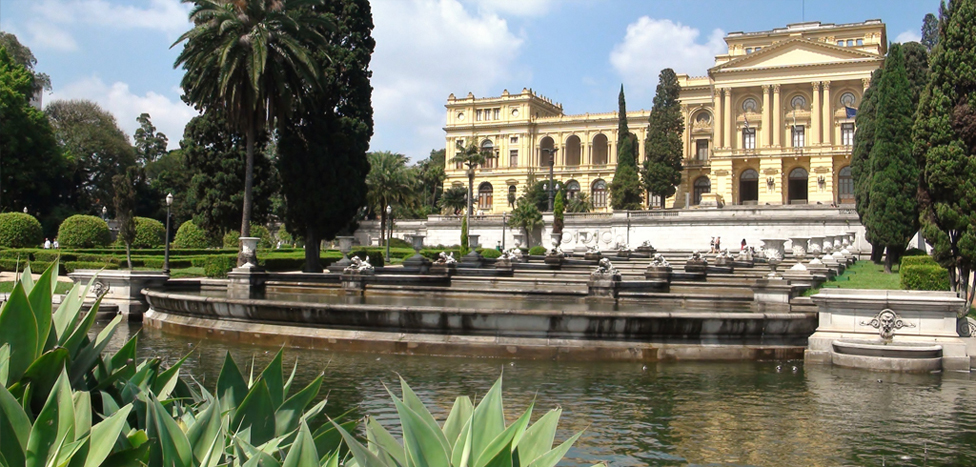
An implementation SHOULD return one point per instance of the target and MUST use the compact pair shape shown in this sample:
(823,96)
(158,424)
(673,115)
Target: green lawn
(863,275)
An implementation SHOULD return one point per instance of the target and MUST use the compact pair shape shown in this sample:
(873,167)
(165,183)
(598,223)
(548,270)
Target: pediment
(795,52)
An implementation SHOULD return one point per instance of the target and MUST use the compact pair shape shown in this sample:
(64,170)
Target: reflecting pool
(670,414)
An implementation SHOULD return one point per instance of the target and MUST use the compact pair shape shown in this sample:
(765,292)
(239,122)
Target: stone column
(766,130)
(815,111)
(718,120)
(828,117)
(728,122)
(777,111)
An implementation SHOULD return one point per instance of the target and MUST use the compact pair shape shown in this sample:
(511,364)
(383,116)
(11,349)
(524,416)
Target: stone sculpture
(359,266)
(605,271)
(446,258)
(886,322)
(660,262)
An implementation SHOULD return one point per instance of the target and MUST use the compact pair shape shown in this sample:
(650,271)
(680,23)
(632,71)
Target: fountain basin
(906,357)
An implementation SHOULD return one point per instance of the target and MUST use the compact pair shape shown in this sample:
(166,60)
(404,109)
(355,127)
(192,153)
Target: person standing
(56,245)
(711,246)
(742,246)
(718,244)
(47,244)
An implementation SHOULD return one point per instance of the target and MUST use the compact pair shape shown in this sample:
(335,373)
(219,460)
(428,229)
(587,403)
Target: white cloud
(908,36)
(514,7)
(168,115)
(52,20)
(425,50)
(652,45)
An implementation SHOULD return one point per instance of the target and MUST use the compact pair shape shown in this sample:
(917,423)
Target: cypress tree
(944,139)
(662,167)
(625,189)
(860,166)
(893,214)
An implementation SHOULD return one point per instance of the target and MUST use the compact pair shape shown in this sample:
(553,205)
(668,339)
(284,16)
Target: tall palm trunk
(248,196)
(470,192)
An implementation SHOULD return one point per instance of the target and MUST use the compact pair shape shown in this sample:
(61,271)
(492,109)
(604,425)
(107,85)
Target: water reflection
(676,414)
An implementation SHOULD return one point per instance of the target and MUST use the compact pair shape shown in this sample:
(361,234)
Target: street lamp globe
(169,199)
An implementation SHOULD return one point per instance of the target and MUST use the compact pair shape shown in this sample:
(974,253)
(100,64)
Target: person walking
(742,246)
(718,244)
(711,246)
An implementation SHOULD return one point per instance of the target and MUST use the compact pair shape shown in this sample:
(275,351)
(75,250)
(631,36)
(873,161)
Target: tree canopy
(663,148)
(625,188)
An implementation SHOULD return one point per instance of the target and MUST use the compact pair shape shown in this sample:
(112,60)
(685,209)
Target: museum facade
(772,123)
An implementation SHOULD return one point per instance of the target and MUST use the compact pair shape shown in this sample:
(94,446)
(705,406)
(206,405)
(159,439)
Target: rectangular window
(847,134)
(798,140)
(491,162)
(749,138)
(860,42)
(458,165)
(513,158)
(513,140)
(478,115)
(748,50)
(850,42)
(701,149)
(496,114)
(840,43)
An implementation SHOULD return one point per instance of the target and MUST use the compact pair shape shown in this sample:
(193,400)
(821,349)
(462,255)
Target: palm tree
(525,216)
(579,203)
(251,59)
(453,199)
(389,181)
(471,156)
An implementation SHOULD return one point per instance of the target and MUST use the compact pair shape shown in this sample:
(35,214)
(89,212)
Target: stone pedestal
(592,255)
(773,293)
(248,252)
(606,287)
(624,254)
(644,251)
(504,266)
(246,283)
(417,262)
(472,260)
(443,269)
(555,261)
(699,265)
(345,246)
(122,288)
(774,249)
(653,273)
(354,282)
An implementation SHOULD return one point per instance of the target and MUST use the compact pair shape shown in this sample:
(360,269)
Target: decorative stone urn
(248,255)
(774,248)
(519,239)
(417,260)
(815,245)
(345,246)
(799,247)
(557,239)
(473,241)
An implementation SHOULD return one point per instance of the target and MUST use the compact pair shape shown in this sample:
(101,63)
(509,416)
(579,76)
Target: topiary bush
(490,253)
(189,235)
(916,260)
(150,233)
(218,266)
(399,243)
(537,250)
(924,277)
(19,230)
(81,231)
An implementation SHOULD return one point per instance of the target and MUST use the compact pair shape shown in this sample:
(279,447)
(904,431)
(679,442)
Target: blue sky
(577,52)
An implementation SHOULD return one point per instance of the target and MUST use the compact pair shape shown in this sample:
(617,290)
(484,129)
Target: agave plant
(472,436)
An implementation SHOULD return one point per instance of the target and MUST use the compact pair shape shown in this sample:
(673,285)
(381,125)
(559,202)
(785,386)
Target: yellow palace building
(772,123)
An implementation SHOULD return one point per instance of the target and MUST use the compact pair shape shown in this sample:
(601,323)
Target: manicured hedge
(375,257)
(924,277)
(189,235)
(232,239)
(72,266)
(219,265)
(81,231)
(150,233)
(19,230)
(537,250)
(916,260)
(490,253)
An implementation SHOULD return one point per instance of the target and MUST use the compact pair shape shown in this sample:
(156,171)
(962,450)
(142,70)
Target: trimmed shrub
(924,277)
(400,243)
(19,230)
(218,266)
(72,266)
(537,250)
(916,260)
(490,253)
(914,252)
(231,239)
(375,257)
(150,233)
(190,236)
(81,231)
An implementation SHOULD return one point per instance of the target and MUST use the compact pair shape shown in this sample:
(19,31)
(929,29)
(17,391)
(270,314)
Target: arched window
(573,151)
(750,105)
(798,103)
(600,150)
(702,185)
(488,149)
(572,189)
(798,186)
(511,195)
(599,195)
(845,186)
(545,151)
(749,187)
(485,191)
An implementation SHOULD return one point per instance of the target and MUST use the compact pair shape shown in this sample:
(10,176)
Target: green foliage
(190,236)
(150,233)
(864,137)
(399,243)
(661,173)
(471,435)
(626,192)
(916,260)
(231,239)
(22,55)
(150,145)
(374,255)
(626,156)
(72,266)
(471,156)
(81,231)
(558,213)
(19,230)
(580,203)
(464,236)
(452,200)
(526,217)
(537,250)
(930,31)
(490,253)
(124,200)
(924,277)
(944,138)
(218,266)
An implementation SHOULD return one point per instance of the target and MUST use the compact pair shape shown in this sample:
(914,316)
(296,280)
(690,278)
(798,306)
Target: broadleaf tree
(661,173)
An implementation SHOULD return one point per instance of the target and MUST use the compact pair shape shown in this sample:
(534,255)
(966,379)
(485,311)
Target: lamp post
(104,213)
(552,163)
(389,210)
(169,203)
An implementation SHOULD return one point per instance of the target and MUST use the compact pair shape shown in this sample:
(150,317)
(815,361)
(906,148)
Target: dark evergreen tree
(930,31)
(944,138)
(625,189)
(322,152)
(916,68)
(860,164)
(663,148)
(217,157)
(893,214)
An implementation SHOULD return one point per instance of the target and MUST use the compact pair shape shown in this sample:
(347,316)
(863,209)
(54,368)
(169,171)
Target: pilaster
(727,120)
(719,118)
(815,111)
(828,115)
(766,130)
(777,112)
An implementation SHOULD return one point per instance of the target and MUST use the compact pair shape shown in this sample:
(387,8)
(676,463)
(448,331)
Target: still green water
(673,414)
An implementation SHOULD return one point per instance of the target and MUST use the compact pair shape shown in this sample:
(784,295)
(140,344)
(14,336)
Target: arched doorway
(600,150)
(572,189)
(749,187)
(573,150)
(485,191)
(545,151)
(797,191)
(702,185)
(845,186)
(599,194)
